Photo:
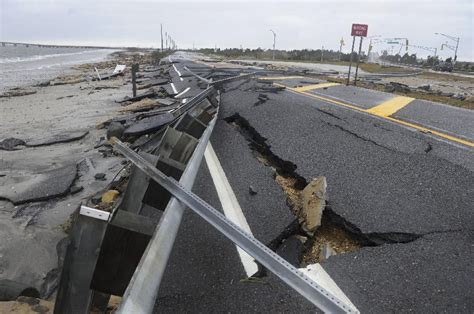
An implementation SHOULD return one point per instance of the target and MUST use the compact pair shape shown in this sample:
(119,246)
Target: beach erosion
(50,161)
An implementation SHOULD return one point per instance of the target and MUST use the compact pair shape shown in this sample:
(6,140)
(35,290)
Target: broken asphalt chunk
(15,92)
(148,125)
(314,202)
(59,138)
(39,186)
(148,94)
(11,143)
(149,83)
(100,176)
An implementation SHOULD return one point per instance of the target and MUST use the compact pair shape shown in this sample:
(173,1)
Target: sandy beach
(44,181)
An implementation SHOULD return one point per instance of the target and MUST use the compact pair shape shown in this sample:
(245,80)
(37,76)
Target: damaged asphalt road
(404,196)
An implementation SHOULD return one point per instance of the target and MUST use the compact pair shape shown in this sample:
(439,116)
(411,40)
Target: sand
(29,233)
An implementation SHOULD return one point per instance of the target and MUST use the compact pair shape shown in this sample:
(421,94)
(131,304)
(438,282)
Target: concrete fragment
(314,202)
(37,186)
(110,196)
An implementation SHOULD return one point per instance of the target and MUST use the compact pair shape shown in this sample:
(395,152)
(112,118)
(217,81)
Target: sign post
(359,30)
(358,60)
(350,62)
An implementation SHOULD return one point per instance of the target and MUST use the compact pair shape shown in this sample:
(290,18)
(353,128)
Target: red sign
(359,30)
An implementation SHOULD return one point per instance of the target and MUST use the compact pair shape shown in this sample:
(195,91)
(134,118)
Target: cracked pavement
(408,192)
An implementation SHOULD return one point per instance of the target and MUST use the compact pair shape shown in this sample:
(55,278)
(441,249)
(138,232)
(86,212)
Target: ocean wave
(42,57)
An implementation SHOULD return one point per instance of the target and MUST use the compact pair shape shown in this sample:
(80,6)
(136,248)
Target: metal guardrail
(106,247)
(135,302)
(125,252)
(141,293)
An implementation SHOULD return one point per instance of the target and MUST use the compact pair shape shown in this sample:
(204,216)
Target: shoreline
(42,68)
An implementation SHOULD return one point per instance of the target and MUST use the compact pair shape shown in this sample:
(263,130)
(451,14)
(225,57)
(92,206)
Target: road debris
(110,196)
(29,187)
(11,143)
(100,176)
(314,202)
(252,190)
(58,138)
(115,129)
(18,91)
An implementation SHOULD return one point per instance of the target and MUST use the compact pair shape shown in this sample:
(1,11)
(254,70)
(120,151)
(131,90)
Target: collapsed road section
(325,190)
(176,157)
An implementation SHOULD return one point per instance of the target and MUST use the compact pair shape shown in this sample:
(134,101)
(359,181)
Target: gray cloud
(300,24)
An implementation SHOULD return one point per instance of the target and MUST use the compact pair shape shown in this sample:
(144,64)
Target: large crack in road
(335,232)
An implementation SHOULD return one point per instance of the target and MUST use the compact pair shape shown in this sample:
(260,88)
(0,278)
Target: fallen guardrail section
(124,250)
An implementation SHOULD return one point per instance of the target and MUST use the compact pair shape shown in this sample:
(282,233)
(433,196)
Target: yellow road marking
(407,124)
(279,77)
(321,98)
(391,106)
(315,86)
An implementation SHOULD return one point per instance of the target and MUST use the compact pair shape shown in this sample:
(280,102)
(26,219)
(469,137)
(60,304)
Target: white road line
(179,73)
(230,204)
(174,88)
(233,212)
(183,92)
(317,273)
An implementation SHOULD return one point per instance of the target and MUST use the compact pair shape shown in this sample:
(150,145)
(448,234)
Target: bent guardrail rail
(106,246)
(125,251)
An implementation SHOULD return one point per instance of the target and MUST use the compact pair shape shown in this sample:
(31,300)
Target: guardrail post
(74,293)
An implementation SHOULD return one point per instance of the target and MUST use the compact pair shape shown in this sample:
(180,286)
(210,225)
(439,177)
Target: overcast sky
(298,24)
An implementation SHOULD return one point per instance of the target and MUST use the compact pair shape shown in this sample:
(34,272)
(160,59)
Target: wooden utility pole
(134,78)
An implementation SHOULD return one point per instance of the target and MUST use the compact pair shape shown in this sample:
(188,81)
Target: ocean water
(21,65)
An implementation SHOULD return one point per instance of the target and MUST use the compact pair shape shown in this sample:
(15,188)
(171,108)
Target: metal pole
(340,51)
(274,39)
(350,62)
(322,52)
(161,30)
(358,61)
(456,51)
